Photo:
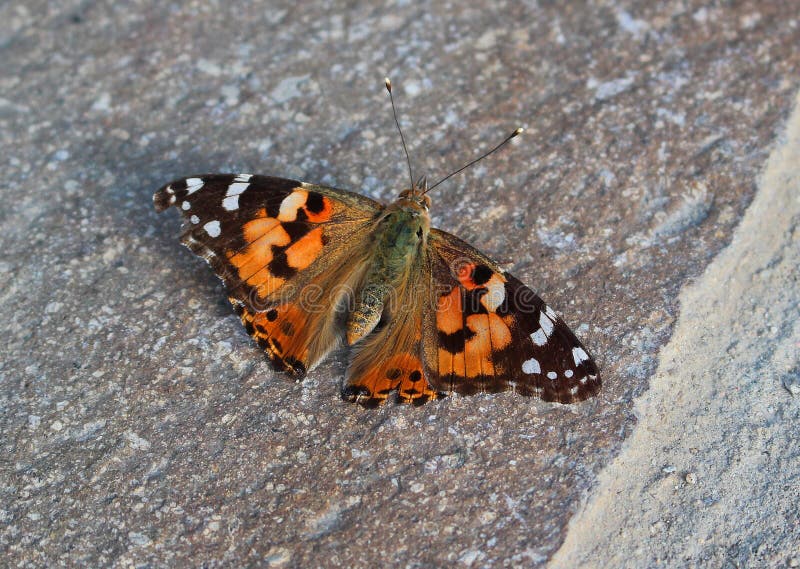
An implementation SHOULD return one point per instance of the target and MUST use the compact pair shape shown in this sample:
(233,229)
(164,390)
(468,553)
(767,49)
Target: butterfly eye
(419,233)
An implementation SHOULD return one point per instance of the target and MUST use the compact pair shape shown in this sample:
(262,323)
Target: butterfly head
(409,214)
(414,198)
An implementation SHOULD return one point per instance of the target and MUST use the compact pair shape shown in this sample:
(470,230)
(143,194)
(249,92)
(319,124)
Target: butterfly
(309,268)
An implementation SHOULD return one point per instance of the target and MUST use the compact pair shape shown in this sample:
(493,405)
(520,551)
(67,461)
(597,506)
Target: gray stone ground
(710,474)
(140,426)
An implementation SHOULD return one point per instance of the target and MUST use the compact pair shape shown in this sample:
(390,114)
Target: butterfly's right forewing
(485,331)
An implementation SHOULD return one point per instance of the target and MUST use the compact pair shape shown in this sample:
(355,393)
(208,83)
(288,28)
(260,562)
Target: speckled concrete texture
(710,474)
(140,425)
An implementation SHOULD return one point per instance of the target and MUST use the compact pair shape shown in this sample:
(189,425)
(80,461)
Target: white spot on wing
(169,190)
(194,219)
(291,204)
(573,390)
(243,178)
(231,203)
(237,188)
(551,375)
(185,206)
(213,228)
(531,366)
(193,184)
(495,295)
(579,355)
(546,323)
(539,338)
(568,373)
(551,313)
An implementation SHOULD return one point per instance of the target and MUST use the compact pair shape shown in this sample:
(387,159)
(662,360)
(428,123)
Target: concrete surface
(711,475)
(141,427)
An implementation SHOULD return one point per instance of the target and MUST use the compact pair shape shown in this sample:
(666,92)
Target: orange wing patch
(277,247)
(470,332)
(301,254)
(402,372)
(449,315)
(470,353)
(488,333)
(259,227)
(251,262)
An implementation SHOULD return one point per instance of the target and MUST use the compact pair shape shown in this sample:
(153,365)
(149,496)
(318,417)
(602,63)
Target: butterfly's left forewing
(260,232)
(286,251)
(484,331)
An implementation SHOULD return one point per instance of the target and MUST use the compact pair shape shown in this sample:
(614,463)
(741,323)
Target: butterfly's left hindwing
(283,249)
(390,360)
(484,331)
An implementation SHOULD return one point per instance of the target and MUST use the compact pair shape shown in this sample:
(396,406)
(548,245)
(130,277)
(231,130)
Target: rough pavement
(139,423)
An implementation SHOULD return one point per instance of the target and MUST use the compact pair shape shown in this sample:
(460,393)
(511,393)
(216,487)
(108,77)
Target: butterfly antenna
(388,83)
(517,132)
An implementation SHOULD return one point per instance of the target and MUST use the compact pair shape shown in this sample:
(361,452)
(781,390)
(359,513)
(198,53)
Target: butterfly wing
(288,253)
(484,331)
(391,357)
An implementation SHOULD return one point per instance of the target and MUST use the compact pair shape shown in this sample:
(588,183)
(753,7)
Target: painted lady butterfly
(309,268)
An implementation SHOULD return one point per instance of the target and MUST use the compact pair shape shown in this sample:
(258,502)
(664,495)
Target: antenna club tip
(388,83)
(517,132)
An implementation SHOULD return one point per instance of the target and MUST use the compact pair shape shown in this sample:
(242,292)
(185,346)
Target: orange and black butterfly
(310,268)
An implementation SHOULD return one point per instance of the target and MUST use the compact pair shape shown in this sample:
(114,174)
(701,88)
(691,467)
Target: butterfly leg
(367,312)
(388,360)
